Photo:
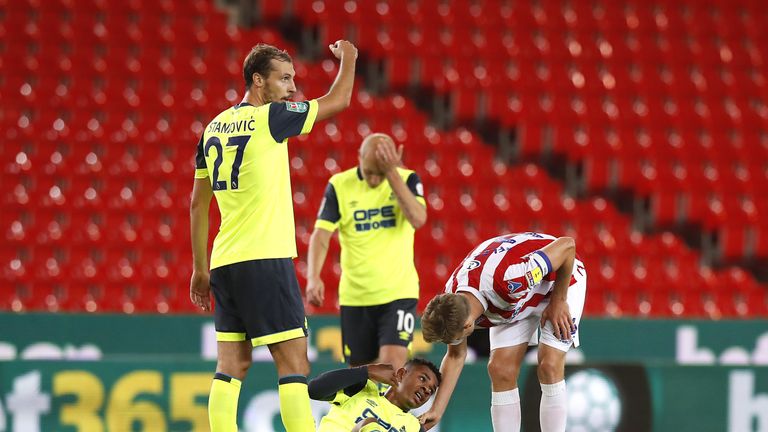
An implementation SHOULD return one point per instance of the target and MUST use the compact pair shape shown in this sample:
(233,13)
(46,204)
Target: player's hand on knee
(315,291)
(200,290)
(343,49)
(383,373)
(362,423)
(559,314)
(429,419)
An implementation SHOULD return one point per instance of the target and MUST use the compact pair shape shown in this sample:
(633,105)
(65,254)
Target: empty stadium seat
(104,109)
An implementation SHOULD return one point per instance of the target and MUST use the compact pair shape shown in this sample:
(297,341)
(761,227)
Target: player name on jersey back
(231,127)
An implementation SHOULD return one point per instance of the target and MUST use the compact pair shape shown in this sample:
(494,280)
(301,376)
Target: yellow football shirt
(347,410)
(376,239)
(244,153)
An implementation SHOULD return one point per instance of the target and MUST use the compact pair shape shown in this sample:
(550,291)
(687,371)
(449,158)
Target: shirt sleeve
(416,187)
(529,272)
(201,168)
(330,385)
(287,119)
(329,215)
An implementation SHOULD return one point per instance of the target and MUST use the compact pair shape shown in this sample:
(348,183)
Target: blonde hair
(444,318)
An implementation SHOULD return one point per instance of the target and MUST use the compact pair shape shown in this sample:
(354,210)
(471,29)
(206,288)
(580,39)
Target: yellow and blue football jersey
(376,239)
(244,153)
(347,410)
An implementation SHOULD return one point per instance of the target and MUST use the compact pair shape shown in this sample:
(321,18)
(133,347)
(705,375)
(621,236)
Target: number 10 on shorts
(405,321)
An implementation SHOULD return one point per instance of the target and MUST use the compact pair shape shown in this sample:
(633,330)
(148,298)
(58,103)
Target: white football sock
(554,407)
(505,411)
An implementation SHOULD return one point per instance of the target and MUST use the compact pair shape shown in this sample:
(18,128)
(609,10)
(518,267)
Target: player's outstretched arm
(340,95)
(327,384)
(199,285)
(450,369)
(561,253)
(351,380)
(318,250)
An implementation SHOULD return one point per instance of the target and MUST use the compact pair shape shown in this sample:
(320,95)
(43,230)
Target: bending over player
(354,394)
(514,284)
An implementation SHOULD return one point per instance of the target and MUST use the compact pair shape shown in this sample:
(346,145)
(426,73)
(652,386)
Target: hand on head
(387,157)
(383,373)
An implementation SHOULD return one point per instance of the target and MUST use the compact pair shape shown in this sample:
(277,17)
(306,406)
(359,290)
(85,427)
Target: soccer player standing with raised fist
(242,160)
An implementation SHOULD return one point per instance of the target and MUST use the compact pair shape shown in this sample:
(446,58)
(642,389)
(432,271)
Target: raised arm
(414,211)
(199,285)
(351,380)
(327,384)
(561,254)
(339,96)
(450,368)
(389,159)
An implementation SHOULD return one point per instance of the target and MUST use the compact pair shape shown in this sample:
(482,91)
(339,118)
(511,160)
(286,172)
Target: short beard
(271,95)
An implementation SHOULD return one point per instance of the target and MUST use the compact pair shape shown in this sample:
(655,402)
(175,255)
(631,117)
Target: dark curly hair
(417,361)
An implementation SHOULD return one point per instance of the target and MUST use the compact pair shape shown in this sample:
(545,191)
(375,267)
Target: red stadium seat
(638,101)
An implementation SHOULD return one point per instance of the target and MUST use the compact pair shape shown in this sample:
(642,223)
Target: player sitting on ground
(355,395)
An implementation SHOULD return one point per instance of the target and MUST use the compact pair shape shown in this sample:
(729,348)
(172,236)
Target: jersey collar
(242,104)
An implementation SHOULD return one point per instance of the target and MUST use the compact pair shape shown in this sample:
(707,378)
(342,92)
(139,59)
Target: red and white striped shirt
(509,275)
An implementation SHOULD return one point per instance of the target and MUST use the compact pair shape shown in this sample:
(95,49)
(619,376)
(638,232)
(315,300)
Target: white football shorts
(528,329)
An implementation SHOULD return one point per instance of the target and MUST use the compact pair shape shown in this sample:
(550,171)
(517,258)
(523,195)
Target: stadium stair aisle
(571,83)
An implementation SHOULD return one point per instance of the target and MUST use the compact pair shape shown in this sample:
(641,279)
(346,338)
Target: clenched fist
(343,49)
